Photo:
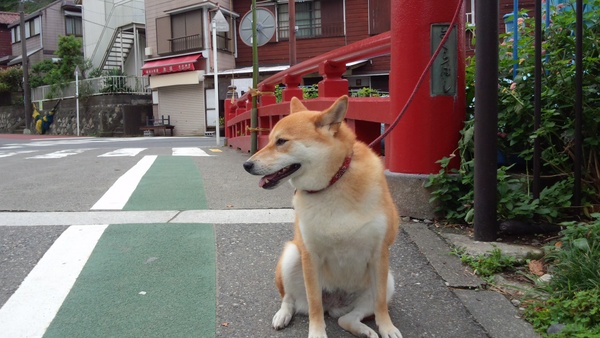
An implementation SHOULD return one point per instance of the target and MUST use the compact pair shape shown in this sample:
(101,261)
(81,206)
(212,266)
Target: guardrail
(365,114)
(95,86)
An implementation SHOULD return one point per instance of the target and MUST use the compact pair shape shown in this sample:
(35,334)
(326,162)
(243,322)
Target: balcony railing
(94,86)
(186,43)
(320,30)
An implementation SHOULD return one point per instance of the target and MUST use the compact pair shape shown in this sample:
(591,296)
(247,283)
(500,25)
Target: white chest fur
(342,238)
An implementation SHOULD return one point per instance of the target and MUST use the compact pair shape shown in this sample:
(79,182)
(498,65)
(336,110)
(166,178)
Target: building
(114,35)
(179,60)
(321,26)
(6,18)
(42,29)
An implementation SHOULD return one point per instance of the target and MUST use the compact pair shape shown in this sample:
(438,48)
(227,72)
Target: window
(471,13)
(379,16)
(32,27)
(73,25)
(16,34)
(186,31)
(308,20)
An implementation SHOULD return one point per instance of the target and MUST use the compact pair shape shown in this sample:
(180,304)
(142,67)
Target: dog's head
(305,146)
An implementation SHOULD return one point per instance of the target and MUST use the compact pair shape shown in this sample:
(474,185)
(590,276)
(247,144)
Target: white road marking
(12,153)
(123,152)
(189,151)
(31,309)
(60,153)
(118,194)
(228,216)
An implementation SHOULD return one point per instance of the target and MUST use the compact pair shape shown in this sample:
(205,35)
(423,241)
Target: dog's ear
(334,115)
(296,105)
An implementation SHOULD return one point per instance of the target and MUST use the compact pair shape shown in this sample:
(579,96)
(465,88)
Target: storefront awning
(172,65)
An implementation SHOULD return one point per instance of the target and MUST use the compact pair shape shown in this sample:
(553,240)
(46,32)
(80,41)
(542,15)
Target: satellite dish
(265,27)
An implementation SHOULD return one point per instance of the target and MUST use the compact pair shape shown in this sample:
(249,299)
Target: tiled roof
(8,17)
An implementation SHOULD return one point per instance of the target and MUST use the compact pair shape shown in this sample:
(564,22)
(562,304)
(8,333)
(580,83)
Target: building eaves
(7,18)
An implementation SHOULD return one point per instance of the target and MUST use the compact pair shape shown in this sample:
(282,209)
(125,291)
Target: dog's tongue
(265,180)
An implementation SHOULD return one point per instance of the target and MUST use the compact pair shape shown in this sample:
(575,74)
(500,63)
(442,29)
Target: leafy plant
(59,74)
(366,92)
(488,265)
(516,133)
(579,312)
(577,259)
(572,297)
(10,79)
(310,92)
(115,82)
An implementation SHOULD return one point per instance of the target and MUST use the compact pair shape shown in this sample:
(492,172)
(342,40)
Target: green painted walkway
(171,183)
(148,280)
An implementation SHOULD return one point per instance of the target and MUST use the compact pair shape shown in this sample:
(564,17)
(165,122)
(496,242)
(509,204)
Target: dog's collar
(337,175)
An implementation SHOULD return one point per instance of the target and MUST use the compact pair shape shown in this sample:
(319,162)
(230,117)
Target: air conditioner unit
(148,51)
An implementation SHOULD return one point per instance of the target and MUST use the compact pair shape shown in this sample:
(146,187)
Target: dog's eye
(280,141)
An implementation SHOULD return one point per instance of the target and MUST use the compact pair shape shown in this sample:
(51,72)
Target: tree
(59,73)
(10,79)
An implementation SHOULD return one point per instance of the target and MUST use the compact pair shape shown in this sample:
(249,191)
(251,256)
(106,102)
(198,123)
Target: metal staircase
(120,47)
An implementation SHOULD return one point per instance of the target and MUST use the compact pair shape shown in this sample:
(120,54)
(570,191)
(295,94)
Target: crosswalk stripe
(30,310)
(123,152)
(118,194)
(189,151)
(60,153)
(12,153)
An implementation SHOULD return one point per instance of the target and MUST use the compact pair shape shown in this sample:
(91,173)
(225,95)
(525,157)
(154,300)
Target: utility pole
(25,66)
(292,31)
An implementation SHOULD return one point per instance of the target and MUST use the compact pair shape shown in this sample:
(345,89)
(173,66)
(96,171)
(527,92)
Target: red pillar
(430,127)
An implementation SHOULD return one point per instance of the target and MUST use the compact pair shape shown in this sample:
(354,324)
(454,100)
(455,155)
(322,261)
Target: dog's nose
(248,165)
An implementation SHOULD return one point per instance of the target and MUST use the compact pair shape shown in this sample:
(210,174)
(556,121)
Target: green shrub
(576,263)
(516,134)
(573,294)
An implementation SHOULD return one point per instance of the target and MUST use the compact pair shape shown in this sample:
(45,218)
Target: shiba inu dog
(345,222)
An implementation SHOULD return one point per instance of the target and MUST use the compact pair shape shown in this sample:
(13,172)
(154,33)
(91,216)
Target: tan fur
(342,233)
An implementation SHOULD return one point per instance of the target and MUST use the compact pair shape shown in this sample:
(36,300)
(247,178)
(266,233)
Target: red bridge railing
(365,114)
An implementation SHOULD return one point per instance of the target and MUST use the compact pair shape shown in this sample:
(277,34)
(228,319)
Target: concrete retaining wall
(106,115)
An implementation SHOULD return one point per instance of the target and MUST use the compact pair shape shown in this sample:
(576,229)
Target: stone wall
(11,118)
(105,115)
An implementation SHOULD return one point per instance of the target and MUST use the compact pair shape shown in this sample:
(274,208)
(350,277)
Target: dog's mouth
(272,180)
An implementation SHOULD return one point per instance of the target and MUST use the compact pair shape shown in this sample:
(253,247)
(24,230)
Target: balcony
(186,44)
(321,30)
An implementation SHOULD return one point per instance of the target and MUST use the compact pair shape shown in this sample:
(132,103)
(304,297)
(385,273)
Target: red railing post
(240,128)
(332,84)
(267,94)
(229,113)
(291,83)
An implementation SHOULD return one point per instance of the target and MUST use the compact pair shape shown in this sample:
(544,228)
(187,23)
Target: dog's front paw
(390,332)
(281,319)
(316,331)
(317,335)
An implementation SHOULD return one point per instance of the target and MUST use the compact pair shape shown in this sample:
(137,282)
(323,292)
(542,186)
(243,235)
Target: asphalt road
(246,251)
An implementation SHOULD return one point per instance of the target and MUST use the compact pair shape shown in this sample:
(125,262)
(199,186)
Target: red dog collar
(337,175)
